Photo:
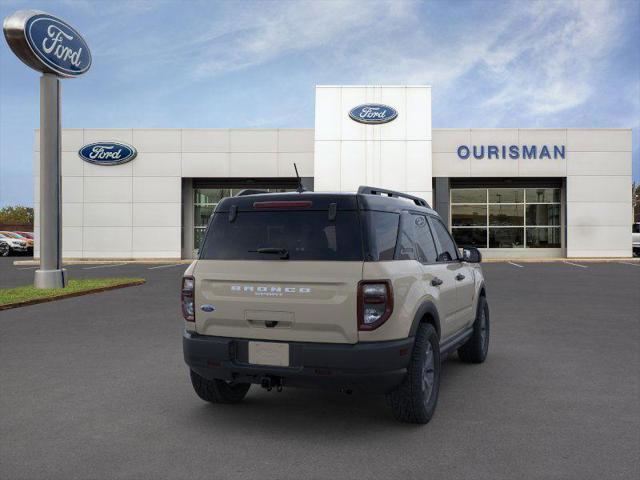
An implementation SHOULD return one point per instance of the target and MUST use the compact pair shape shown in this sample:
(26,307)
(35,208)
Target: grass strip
(29,295)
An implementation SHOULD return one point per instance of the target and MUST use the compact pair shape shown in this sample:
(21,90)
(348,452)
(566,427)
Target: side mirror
(471,255)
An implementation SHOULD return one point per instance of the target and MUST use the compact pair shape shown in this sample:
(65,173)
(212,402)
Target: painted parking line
(575,264)
(105,266)
(632,264)
(166,266)
(516,264)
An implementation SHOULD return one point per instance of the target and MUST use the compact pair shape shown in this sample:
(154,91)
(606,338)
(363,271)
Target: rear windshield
(303,235)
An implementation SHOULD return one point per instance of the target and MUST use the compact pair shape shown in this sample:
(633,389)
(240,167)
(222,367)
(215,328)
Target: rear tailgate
(288,301)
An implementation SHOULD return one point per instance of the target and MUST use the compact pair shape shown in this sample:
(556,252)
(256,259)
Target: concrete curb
(70,295)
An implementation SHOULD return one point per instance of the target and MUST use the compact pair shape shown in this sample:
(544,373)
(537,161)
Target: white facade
(134,210)
(394,155)
(597,169)
(143,209)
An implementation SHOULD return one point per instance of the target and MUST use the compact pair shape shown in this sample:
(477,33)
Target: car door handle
(460,277)
(436,282)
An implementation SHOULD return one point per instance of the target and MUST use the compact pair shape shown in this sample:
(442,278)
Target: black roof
(322,200)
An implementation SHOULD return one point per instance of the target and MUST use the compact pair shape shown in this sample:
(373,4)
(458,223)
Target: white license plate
(269,353)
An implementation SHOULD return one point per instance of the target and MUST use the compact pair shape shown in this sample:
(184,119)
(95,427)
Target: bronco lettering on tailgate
(269,290)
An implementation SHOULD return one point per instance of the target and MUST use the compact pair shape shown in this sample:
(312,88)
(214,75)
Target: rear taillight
(188,309)
(375,303)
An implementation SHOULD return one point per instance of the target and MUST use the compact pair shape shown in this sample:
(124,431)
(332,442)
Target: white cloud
(549,66)
(538,58)
(538,55)
(257,35)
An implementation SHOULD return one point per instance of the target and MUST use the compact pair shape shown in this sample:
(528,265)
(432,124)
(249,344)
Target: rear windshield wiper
(283,252)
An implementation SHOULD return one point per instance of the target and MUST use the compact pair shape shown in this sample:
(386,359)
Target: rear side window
(425,246)
(304,235)
(447,250)
(382,236)
(406,241)
(415,241)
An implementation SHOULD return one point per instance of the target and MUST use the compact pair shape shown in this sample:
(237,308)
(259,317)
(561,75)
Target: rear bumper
(369,367)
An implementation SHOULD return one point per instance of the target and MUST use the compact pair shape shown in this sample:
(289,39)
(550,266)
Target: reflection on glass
(201,214)
(470,237)
(506,237)
(204,203)
(506,215)
(543,195)
(543,214)
(384,228)
(506,195)
(210,195)
(198,233)
(468,215)
(469,195)
(548,237)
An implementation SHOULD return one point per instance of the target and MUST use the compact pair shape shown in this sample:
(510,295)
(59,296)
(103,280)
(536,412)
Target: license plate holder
(269,353)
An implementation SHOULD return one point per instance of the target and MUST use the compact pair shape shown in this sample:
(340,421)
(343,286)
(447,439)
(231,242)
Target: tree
(16,215)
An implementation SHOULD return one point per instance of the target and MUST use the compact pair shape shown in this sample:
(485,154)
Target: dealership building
(512,192)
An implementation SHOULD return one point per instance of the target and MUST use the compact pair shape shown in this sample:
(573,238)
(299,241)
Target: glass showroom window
(506,217)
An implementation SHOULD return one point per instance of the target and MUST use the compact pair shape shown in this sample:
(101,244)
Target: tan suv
(364,291)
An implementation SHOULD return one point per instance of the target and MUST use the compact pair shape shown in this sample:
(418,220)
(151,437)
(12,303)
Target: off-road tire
(476,348)
(412,402)
(218,391)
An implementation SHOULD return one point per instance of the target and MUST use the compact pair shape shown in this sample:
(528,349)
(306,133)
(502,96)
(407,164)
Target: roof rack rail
(363,189)
(250,191)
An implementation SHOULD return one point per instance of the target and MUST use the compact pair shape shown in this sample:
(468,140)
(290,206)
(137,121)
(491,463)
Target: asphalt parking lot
(95,387)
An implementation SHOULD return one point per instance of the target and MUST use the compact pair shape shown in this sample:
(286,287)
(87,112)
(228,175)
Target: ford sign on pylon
(47,44)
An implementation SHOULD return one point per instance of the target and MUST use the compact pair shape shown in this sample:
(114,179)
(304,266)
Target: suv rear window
(304,235)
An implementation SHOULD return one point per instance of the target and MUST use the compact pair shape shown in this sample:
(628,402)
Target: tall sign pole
(51,274)
(51,46)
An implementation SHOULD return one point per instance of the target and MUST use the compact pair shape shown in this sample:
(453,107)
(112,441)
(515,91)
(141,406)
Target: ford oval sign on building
(47,44)
(107,153)
(373,113)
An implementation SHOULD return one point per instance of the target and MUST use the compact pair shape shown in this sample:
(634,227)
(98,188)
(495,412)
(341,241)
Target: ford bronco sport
(364,291)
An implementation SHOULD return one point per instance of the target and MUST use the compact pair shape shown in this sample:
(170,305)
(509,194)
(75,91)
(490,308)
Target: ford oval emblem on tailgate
(207,308)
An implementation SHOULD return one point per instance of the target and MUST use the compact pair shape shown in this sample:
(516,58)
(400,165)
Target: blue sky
(255,64)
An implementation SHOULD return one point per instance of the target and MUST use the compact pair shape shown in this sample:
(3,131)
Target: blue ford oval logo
(57,45)
(373,113)
(107,153)
(207,308)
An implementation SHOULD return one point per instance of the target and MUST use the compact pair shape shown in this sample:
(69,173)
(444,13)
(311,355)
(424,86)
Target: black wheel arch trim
(426,308)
